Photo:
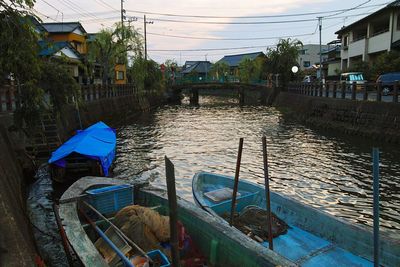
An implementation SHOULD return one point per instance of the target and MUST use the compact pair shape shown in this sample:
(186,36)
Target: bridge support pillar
(241,96)
(194,97)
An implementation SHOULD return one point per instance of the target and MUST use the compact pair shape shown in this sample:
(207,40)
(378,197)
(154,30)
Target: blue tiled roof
(234,60)
(198,66)
(50,48)
(63,27)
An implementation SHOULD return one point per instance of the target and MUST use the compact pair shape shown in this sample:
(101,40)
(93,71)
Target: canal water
(322,169)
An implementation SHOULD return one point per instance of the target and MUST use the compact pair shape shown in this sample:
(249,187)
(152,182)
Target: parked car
(351,77)
(388,80)
(309,79)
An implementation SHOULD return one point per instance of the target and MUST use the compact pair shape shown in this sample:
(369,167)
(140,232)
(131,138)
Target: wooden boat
(88,152)
(215,240)
(313,239)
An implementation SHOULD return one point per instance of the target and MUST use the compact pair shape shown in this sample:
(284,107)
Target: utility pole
(320,47)
(123,11)
(145,36)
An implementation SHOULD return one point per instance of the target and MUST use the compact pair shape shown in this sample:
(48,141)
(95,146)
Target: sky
(209,29)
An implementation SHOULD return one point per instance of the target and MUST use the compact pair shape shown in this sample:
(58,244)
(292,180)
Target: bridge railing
(227,79)
(370,91)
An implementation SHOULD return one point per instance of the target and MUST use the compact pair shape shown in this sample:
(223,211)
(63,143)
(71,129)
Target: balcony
(357,48)
(379,42)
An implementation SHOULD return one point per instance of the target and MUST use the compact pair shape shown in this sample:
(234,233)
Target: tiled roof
(65,27)
(234,60)
(51,48)
(198,66)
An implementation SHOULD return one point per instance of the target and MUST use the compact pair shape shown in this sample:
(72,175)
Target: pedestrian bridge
(247,93)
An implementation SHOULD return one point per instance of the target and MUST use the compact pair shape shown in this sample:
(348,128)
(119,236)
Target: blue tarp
(95,142)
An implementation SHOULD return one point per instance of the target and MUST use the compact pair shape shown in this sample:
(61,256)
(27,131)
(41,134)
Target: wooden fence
(354,91)
(89,93)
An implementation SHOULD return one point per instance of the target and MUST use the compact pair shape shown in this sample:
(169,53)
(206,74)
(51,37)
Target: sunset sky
(181,26)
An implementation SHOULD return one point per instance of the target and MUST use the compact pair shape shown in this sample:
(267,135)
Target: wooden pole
(173,211)
(375,156)
(235,185)
(267,194)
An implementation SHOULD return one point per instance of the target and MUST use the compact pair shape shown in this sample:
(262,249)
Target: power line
(350,9)
(228,39)
(211,49)
(255,17)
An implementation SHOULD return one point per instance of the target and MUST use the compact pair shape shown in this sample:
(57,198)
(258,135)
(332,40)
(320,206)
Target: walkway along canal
(322,169)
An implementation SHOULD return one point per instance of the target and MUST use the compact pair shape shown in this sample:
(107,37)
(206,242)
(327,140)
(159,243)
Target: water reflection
(320,169)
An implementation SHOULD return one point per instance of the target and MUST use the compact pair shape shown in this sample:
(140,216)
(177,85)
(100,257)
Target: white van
(350,77)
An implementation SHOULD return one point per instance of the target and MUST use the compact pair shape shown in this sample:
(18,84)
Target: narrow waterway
(324,170)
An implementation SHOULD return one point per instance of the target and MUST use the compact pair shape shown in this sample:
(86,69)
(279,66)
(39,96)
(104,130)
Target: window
(345,41)
(303,51)
(120,75)
(398,22)
(306,64)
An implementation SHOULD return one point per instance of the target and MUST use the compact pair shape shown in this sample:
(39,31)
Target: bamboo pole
(375,156)
(118,231)
(236,182)
(267,194)
(173,211)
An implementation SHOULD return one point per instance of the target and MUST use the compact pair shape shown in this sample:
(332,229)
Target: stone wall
(112,111)
(16,244)
(377,120)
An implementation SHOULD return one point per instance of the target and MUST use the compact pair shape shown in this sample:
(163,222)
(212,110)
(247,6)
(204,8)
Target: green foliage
(219,70)
(56,81)
(363,67)
(250,70)
(145,74)
(283,58)
(387,62)
(112,46)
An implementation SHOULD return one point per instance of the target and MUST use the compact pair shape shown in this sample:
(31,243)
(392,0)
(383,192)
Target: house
(233,60)
(67,40)
(371,36)
(331,63)
(64,52)
(196,69)
(309,56)
(72,32)
(120,70)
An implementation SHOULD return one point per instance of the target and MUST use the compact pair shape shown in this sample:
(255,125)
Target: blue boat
(314,238)
(88,152)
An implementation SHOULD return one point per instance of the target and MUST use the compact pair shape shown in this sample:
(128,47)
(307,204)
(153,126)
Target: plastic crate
(110,199)
(158,255)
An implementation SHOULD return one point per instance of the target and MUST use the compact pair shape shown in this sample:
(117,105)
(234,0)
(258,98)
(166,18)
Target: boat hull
(216,240)
(312,232)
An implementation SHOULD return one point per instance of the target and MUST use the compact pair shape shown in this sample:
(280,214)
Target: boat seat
(220,194)
(242,201)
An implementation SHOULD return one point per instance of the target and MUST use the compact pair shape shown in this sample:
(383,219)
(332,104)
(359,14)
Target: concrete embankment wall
(376,120)
(110,110)
(16,242)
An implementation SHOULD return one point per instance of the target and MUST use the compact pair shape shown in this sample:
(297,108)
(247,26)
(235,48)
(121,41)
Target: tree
(250,70)
(112,46)
(219,70)
(146,74)
(283,58)
(387,62)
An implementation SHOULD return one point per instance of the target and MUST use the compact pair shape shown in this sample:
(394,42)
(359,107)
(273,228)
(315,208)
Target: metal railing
(355,91)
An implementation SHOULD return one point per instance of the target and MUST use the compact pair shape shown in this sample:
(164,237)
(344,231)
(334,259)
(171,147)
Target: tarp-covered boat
(96,144)
(215,241)
(313,238)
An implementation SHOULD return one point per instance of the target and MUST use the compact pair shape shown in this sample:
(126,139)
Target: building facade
(366,39)
(309,56)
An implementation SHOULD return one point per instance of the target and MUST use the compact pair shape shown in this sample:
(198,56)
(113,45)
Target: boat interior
(313,238)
